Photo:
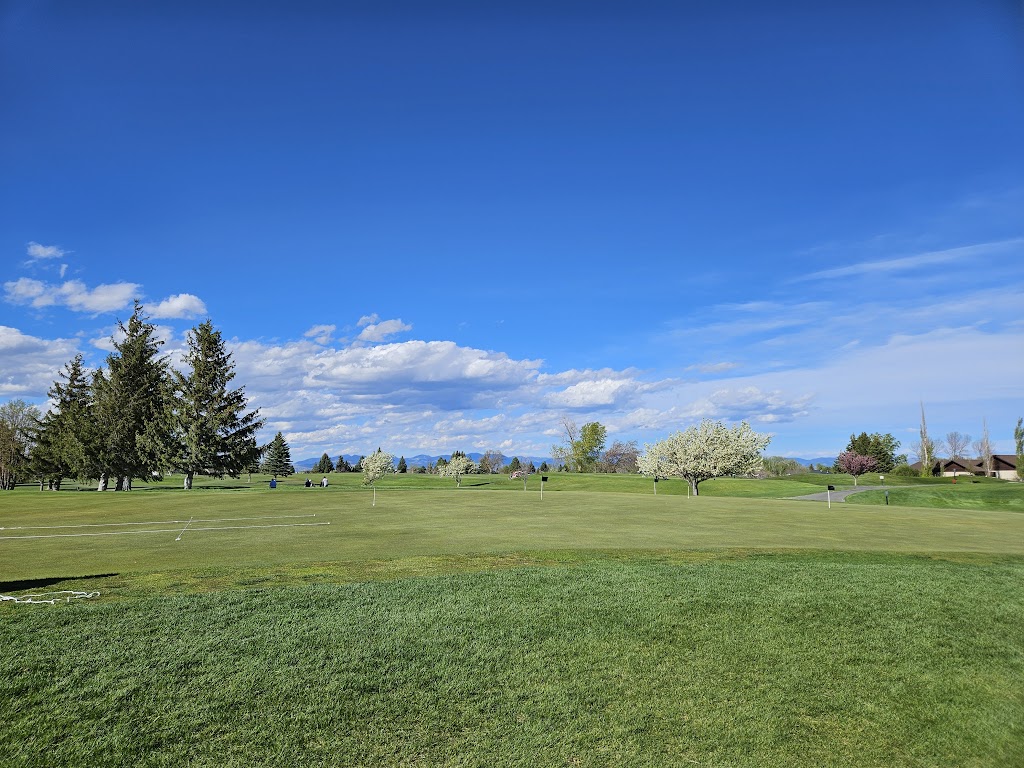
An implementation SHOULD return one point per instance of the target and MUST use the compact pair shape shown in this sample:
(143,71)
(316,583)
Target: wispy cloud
(321,334)
(380,331)
(712,367)
(904,263)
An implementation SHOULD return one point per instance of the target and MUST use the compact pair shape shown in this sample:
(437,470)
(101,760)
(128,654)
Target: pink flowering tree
(854,464)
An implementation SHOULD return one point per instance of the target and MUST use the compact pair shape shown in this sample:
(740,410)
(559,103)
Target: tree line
(135,418)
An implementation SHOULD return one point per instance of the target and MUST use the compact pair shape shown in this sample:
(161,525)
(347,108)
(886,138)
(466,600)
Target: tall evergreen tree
(212,432)
(65,439)
(132,405)
(324,466)
(402,467)
(342,465)
(278,458)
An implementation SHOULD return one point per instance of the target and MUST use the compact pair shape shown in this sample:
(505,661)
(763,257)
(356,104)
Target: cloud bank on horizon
(433,237)
(834,365)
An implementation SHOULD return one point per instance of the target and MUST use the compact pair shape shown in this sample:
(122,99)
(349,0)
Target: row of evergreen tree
(137,417)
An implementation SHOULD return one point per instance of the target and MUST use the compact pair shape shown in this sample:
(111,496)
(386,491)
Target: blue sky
(448,225)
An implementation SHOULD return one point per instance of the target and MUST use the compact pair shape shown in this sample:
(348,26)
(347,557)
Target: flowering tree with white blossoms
(456,467)
(708,450)
(651,463)
(375,466)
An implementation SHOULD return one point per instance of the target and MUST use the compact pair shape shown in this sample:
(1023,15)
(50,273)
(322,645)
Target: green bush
(904,470)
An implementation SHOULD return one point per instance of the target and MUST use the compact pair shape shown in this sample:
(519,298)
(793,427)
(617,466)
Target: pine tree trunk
(188,480)
(102,485)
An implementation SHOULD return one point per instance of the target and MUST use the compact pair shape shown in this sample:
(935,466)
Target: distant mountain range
(422,459)
(826,460)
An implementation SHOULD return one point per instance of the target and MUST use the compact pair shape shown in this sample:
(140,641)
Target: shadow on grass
(17,586)
(476,485)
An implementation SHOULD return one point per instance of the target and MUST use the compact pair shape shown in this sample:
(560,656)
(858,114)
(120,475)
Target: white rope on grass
(47,598)
(184,529)
(157,530)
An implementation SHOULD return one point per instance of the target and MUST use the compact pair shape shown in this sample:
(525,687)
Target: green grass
(962,495)
(449,627)
(770,660)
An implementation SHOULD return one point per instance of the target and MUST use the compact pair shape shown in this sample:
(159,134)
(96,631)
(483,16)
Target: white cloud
(37,251)
(179,306)
(593,394)
(73,294)
(367,319)
(25,290)
(321,334)
(30,364)
(103,298)
(417,369)
(380,331)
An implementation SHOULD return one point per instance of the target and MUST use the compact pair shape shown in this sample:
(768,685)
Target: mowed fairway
(457,627)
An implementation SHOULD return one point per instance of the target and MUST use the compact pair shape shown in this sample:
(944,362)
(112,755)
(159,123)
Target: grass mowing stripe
(150,522)
(160,530)
(768,661)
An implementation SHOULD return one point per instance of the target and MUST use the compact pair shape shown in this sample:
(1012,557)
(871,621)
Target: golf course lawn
(239,626)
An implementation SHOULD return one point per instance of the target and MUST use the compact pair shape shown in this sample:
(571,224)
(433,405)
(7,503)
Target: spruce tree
(132,406)
(342,465)
(64,445)
(402,467)
(213,433)
(278,459)
(324,466)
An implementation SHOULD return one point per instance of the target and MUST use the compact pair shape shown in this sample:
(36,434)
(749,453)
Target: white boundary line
(159,530)
(150,522)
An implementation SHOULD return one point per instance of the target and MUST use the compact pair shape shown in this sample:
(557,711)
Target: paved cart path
(838,495)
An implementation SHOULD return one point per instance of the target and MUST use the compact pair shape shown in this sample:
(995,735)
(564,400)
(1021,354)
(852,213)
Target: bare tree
(956,445)
(17,422)
(1018,439)
(492,462)
(983,448)
(619,458)
(563,453)
(925,447)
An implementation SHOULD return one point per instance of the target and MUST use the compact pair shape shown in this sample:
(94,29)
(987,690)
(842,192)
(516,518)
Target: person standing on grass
(323,483)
